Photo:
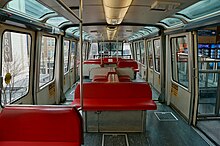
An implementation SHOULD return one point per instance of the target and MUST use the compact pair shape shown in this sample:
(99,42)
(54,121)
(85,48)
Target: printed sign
(7,47)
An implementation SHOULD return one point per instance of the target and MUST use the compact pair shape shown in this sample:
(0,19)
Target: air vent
(164,5)
(129,30)
(112,27)
(94,31)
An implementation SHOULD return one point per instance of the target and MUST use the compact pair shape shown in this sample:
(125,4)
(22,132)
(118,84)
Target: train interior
(131,72)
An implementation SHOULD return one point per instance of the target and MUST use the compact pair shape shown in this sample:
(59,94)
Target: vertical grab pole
(81,54)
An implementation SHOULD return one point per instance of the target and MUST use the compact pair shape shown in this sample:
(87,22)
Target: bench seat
(115,96)
(29,143)
(40,126)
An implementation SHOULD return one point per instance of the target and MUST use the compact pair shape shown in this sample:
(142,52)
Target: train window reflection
(47,60)
(15,62)
(150,54)
(66,46)
(179,49)
(157,54)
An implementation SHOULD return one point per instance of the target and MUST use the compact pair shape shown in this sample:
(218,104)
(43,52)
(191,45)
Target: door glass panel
(47,60)
(179,52)
(66,46)
(15,65)
(150,54)
(72,54)
(157,55)
(209,65)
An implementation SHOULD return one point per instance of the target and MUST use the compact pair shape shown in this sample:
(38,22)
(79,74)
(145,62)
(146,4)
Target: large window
(179,51)
(47,60)
(110,48)
(66,48)
(157,54)
(15,65)
(150,54)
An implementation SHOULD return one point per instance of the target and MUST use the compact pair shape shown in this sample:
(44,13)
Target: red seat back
(40,123)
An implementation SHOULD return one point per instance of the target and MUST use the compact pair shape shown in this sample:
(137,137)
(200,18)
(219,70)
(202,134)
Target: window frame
(154,54)
(55,53)
(74,57)
(30,63)
(188,63)
(148,55)
(68,63)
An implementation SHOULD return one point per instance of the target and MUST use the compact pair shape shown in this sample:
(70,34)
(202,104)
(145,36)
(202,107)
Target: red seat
(115,96)
(129,63)
(28,143)
(40,125)
(100,78)
(124,78)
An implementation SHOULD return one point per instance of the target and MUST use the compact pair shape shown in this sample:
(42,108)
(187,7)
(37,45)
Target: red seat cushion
(30,143)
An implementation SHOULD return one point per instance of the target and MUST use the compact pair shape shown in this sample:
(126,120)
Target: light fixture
(115,10)
(111,31)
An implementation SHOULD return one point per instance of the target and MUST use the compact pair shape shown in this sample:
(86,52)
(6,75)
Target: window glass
(93,53)
(66,46)
(171,21)
(47,60)
(150,54)
(72,53)
(29,7)
(78,55)
(137,48)
(142,52)
(201,8)
(157,55)
(179,59)
(110,48)
(56,21)
(15,63)
(126,51)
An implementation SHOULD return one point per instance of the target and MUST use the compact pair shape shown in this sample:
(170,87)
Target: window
(137,48)
(29,7)
(56,21)
(201,8)
(72,53)
(66,48)
(171,21)
(93,53)
(150,54)
(15,62)
(126,51)
(157,54)
(110,48)
(142,52)
(47,60)
(179,59)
